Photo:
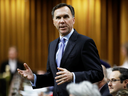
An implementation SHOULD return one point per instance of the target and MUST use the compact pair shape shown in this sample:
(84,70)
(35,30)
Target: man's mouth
(110,88)
(62,27)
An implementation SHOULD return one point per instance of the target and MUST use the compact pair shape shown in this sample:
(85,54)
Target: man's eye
(57,17)
(66,16)
(114,80)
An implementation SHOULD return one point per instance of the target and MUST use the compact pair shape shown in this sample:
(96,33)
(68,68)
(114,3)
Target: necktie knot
(63,40)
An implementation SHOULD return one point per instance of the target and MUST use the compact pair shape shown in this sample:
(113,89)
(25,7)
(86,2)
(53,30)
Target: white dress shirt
(12,65)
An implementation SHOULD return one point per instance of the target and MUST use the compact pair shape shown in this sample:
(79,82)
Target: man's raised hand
(27,73)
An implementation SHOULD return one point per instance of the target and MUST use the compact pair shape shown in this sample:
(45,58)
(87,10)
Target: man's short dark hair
(123,71)
(62,5)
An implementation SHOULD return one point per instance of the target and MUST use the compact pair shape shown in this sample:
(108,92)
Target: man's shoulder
(4,62)
(84,38)
(81,36)
(54,41)
(3,65)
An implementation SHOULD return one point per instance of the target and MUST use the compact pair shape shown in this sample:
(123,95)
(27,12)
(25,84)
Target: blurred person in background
(124,50)
(84,88)
(13,63)
(118,80)
(103,85)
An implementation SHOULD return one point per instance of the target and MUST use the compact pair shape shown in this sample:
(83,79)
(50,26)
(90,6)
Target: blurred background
(27,24)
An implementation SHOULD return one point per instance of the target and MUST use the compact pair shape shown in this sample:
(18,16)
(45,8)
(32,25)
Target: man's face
(124,51)
(116,84)
(63,20)
(12,54)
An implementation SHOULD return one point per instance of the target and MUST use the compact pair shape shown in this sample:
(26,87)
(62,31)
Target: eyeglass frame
(113,80)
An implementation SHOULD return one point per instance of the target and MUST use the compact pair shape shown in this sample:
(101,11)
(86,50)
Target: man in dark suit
(13,64)
(12,61)
(80,60)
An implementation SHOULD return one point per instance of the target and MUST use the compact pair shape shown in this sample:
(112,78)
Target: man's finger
(58,77)
(19,71)
(60,82)
(26,66)
(62,79)
(59,73)
(61,69)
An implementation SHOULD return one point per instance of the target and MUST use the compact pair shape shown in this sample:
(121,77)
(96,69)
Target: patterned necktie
(61,50)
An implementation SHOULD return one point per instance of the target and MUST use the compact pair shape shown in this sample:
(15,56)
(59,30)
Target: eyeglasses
(113,80)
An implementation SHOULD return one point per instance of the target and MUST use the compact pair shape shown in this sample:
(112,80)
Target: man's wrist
(34,81)
(73,77)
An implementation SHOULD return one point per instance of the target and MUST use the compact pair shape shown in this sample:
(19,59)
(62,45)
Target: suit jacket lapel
(53,54)
(69,47)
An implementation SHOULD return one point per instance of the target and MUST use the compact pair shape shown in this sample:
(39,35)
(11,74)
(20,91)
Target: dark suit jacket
(105,90)
(80,56)
(3,66)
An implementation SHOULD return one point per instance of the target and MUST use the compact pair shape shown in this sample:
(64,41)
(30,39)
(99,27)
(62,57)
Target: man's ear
(126,83)
(53,22)
(73,20)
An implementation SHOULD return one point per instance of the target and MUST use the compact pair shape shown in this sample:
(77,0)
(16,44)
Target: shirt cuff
(34,83)
(74,77)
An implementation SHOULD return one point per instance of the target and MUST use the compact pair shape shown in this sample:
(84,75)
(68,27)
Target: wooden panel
(110,34)
(124,26)
(97,25)
(7,27)
(44,43)
(39,60)
(26,33)
(104,36)
(32,34)
(2,30)
(20,33)
(13,22)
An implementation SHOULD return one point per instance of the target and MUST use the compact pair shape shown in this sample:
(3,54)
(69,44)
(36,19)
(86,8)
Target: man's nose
(109,83)
(62,20)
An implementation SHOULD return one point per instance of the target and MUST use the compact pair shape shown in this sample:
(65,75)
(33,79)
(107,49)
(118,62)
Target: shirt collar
(10,60)
(68,35)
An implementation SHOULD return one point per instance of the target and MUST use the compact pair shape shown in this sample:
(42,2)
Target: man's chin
(112,92)
(63,33)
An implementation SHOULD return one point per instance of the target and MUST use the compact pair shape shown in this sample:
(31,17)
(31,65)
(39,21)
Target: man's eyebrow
(66,15)
(62,15)
(114,78)
(57,16)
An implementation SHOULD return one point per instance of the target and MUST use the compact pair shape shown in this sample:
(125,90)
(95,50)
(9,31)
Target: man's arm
(91,62)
